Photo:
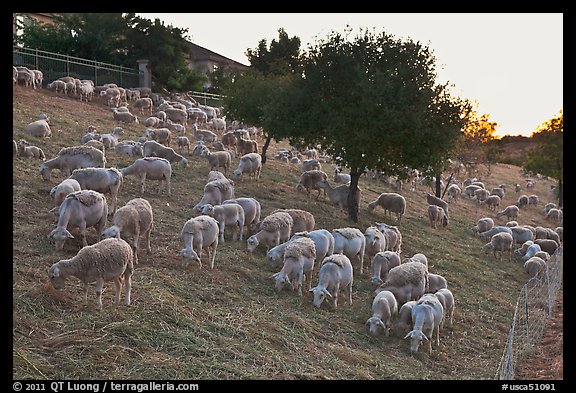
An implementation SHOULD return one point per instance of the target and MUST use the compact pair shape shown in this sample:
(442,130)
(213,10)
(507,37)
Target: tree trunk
(560,193)
(438,185)
(447,185)
(265,148)
(353,195)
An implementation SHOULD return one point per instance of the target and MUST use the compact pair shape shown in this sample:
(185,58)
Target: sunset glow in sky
(511,64)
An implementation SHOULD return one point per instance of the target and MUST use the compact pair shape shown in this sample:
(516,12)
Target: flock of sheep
(409,300)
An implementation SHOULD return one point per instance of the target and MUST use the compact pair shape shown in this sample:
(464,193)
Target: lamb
(403,323)
(125,117)
(548,245)
(341,178)
(82,209)
(335,273)
(391,202)
(111,140)
(135,218)
(28,151)
(199,234)
(436,282)
(437,215)
(427,316)
(70,158)
(160,135)
(393,237)
(301,220)
(500,242)
(104,180)
(215,192)
(250,164)
(230,214)
(511,212)
(375,241)
(408,281)
(384,309)
(492,201)
(252,211)
(484,224)
(494,230)
(39,128)
(447,300)
(453,192)
(274,230)
(131,148)
(276,254)
(338,195)
(534,267)
(155,149)
(183,142)
(382,262)
(299,257)
(350,242)
(434,200)
(60,191)
(218,159)
(107,260)
(309,180)
(555,215)
(323,241)
(152,168)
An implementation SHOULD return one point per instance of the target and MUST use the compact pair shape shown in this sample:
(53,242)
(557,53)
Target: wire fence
(55,65)
(207,98)
(531,315)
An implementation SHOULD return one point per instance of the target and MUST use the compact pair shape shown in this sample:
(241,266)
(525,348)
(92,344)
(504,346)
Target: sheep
(391,202)
(521,234)
(246,146)
(252,211)
(338,196)
(498,191)
(434,200)
(533,200)
(492,201)
(453,192)
(176,115)
(548,206)
(28,151)
(522,201)
(500,242)
(418,257)
(480,195)
(308,165)
(341,178)
(534,267)
(125,117)
(403,323)
(517,187)
(39,128)
(436,282)
(447,300)
(207,136)
(381,263)
(527,250)
(274,229)
(82,209)
(301,220)
(131,148)
(427,316)
(60,191)
(26,75)
(229,140)
(135,218)
(183,142)
(70,158)
(350,242)
(97,144)
(85,91)
(57,86)
(555,215)
(111,95)
(335,273)
(104,180)
(437,215)
(250,164)
(484,224)
(218,159)
(548,245)
(299,257)
(308,181)
(151,168)
(111,140)
(155,149)
(560,232)
(511,212)
(276,254)
(323,241)
(160,135)
(470,189)
(152,121)
(144,104)
(215,192)
(375,241)
(227,215)
(494,230)
(543,255)
(107,260)
(384,309)
(408,281)
(199,234)
(393,237)
(547,233)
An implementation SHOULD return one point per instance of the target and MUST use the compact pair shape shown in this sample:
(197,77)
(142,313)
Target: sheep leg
(350,293)
(127,286)
(85,287)
(117,290)
(99,289)
(83,233)
(148,233)
(300,274)
(143,183)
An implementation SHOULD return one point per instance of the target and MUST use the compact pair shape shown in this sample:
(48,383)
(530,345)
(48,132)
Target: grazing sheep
(250,164)
(252,211)
(183,142)
(144,105)
(521,234)
(309,180)
(543,255)
(28,151)
(555,215)
(152,121)
(208,136)
(151,168)
(97,144)
(131,148)
(447,300)
(522,201)
(341,178)
(408,281)
(437,215)
(323,241)
(218,159)
(375,241)
(403,324)
(160,135)
(155,149)
(299,257)
(434,200)
(308,165)
(276,254)
(135,218)
(39,128)
(338,196)
(547,233)
(484,224)
(393,237)
(301,220)
(419,257)
(533,200)
(199,234)
(384,309)
(70,158)
(548,206)
(104,180)
(511,212)
(350,242)
(107,260)
(548,245)
(60,191)
(500,242)
(230,214)
(391,202)
(492,201)
(527,250)
(534,267)
(274,230)
(469,190)
(481,195)
(125,117)
(57,86)
(382,262)
(427,316)
(436,282)
(246,146)
(335,274)
(494,230)
(111,140)
(453,192)
(82,209)
(216,191)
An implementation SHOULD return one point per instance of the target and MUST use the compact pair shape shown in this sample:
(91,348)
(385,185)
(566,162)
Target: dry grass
(230,323)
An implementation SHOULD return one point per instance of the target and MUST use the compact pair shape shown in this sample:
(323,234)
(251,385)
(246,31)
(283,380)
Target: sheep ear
(69,235)
(51,234)
(382,324)
(424,337)
(275,275)
(312,289)
(368,321)
(409,335)
(328,293)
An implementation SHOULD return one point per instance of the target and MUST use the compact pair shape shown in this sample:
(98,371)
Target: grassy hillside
(230,323)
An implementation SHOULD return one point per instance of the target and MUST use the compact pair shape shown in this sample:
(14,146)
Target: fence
(55,65)
(531,315)
(207,98)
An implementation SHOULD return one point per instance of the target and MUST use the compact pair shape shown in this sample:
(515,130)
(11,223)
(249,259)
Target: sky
(510,64)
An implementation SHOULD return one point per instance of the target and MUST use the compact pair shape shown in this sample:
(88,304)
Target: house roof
(200,53)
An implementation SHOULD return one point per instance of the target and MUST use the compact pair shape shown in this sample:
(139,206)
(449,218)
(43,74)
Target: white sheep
(199,234)
(522,201)
(381,263)
(125,117)
(408,281)
(323,241)
(427,316)
(403,323)
(555,215)
(500,242)
(39,128)
(338,196)
(104,180)
(341,178)
(484,224)
(130,148)
(309,180)
(453,192)
(494,230)
(434,200)
(151,168)
(393,237)
(375,241)
(548,206)
(436,282)
(218,159)
(308,165)
(134,219)
(81,209)
(336,273)
(144,105)
(28,151)
(492,201)
(57,86)
(246,146)
(447,300)
(500,191)
(350,242)
(521,234)
(107,260)
(384,310)
(111,140)
(437,216)
(60,191)
(216,191)
(418,257)
(391,202)
(534,267)
(155,149)
(274,230)
(548,245)
(70,158)
(252,212)
(183,143)
(228,215)
(302,220)
(299,257)
(250,164)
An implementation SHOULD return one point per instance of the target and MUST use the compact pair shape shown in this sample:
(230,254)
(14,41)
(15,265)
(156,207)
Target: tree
(547,158)
(280,58)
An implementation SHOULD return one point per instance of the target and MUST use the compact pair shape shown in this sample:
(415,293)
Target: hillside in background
(229,322)
(514,148)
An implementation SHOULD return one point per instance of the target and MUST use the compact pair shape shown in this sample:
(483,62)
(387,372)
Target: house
(207,61)
(27,18)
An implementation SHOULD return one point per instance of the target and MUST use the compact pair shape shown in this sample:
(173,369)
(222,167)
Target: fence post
(549,295)
(526,306)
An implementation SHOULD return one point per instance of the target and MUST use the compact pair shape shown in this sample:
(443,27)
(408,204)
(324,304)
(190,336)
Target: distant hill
(514,148)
